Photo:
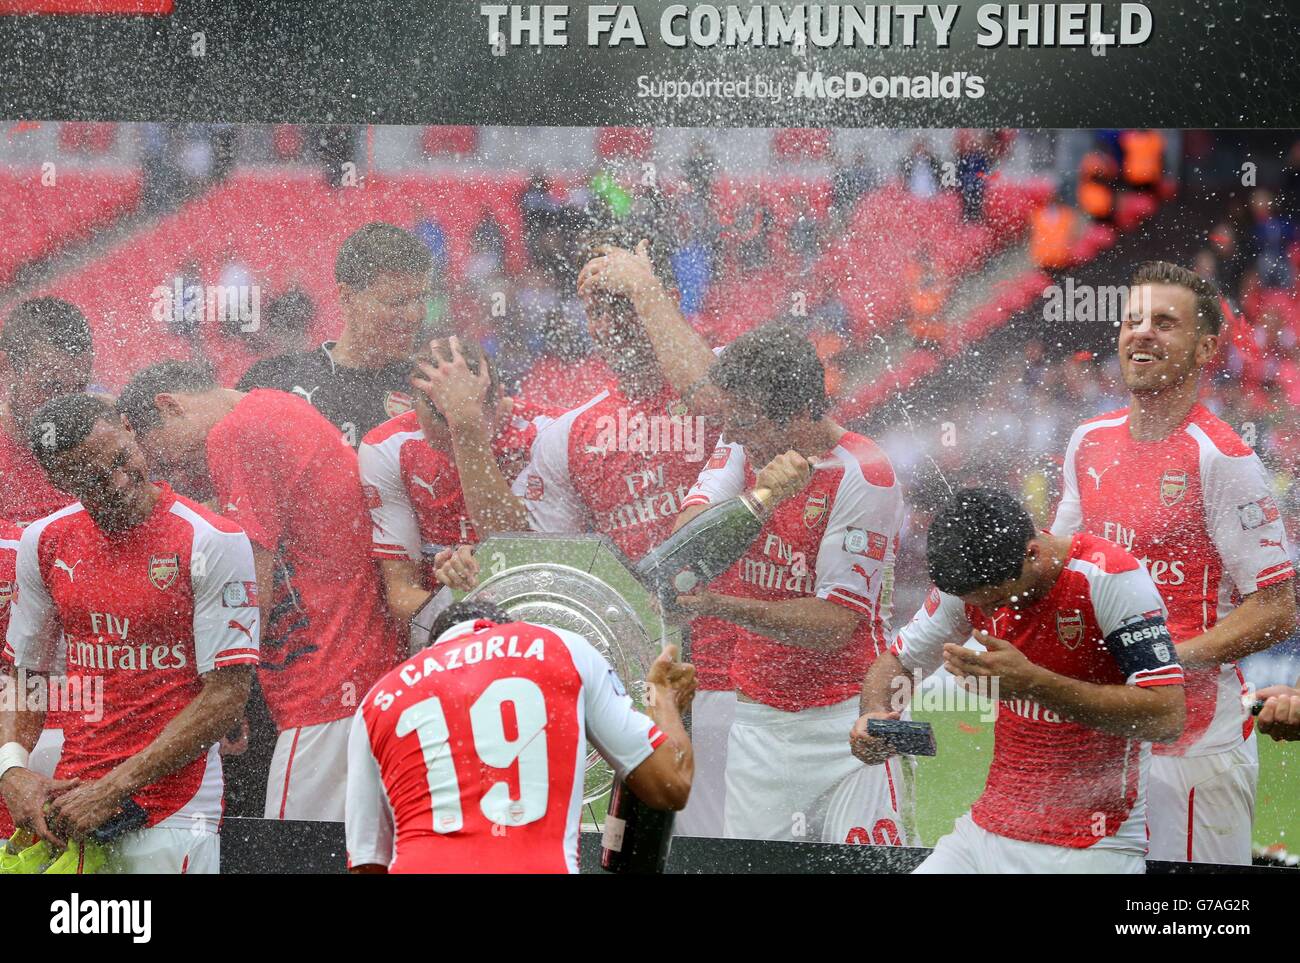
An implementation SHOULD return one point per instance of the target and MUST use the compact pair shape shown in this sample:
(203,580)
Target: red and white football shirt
(836,540)
(414,490)
(1197,509)
(622,468)
(144,614)
(289,479)
(473,752)
(1053,781)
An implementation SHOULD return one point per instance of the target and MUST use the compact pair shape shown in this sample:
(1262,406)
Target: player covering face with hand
(1075,642)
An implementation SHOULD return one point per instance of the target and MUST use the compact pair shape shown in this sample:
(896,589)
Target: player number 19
(487,723)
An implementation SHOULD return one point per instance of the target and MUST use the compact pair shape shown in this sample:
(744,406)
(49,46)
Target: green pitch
(948,783)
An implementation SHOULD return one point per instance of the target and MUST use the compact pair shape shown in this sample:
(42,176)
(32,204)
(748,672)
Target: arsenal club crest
(814,508)
(1069,627)
(1173,486)
(163,570)
(398,403)
(6,594)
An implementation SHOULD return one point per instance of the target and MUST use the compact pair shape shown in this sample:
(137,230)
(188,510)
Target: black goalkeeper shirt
(354,399)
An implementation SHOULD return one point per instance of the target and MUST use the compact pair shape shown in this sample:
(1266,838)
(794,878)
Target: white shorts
(1202,808)
(166,851)
(309,773)
(970,849)
(711,716)
(791,776)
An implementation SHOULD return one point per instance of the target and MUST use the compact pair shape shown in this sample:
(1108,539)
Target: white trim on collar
(456,631)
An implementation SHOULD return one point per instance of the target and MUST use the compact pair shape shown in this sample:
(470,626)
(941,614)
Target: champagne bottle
(636,837)
(704,547)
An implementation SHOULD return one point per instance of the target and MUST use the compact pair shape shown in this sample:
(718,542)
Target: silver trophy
(582,583)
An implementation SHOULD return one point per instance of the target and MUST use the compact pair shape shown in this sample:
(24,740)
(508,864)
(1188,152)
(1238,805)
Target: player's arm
(461,397)
(368,817)
(33,630)
(918,650)
(652,755)
(1263,619)
(1247,529)
(1151,714)
(809,623)
(216,709)
(403,587)
(663,781)
(684,357)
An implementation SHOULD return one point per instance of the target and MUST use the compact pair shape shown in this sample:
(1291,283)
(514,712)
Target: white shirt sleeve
(552,503)
(395,531)
(624,736)
(226,613)
(34,629)
(940,621)
(723,476)
(855,559)
(367,813)
(1244,521)
(1069,514)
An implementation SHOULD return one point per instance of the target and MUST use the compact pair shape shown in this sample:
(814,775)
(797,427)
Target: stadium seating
(41,219)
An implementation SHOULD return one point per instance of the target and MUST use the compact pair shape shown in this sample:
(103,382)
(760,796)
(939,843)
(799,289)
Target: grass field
(948,783)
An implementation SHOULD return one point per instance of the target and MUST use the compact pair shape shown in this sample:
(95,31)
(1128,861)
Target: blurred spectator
(974,164)
(849,183)
(1053,231)
(805,235)
(1272,236)
(333,146)
(487,246)
(1231,261)
(1098,173)
(1143,159)
(929,292)
(751,233)
(920,171)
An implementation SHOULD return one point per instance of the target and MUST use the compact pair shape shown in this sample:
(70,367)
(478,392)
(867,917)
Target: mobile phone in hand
(908,738)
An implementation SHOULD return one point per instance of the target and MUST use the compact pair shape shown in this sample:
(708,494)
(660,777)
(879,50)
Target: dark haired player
(1176,487)
(360,380)
(140,593)
(468,757)
(806,608)
(411,467)
(1085,674)
(282,472)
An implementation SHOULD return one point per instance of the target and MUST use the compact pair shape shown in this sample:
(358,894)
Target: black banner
(1202,63)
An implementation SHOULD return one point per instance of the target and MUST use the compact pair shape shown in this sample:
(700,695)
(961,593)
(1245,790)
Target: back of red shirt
(286,476)
(472,752)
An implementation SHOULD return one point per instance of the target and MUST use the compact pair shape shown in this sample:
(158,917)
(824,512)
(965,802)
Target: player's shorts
(1201,808)
(166,851)
(309,773)
(712,713)
(970,849)
(791,776)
